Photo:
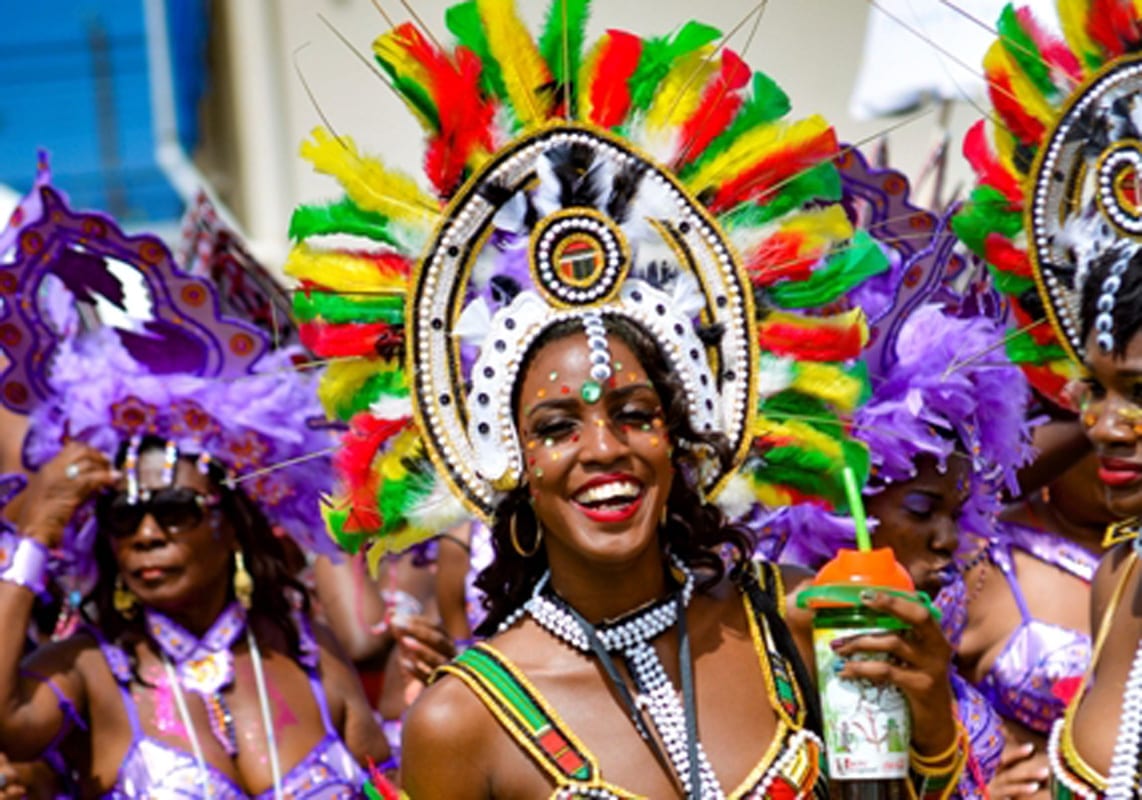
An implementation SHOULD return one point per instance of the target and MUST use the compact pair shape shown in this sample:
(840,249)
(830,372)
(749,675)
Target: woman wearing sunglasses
(197,673)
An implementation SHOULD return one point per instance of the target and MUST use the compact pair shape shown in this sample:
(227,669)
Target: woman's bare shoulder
(448,724)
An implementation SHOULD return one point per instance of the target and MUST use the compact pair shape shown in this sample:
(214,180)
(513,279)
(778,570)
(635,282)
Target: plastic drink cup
(867,725)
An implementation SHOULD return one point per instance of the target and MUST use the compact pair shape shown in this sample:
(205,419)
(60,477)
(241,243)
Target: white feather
(439,510)
(391,407)
(737,499)
(475,322)
(775,374)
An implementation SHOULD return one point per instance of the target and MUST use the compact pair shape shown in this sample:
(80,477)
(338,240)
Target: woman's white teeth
(608,492)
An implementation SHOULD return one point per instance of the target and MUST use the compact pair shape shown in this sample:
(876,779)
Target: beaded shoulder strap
(781,678)
(523,712)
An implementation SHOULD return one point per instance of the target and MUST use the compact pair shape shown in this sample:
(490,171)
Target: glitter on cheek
(554,376)
(555,455)
(654,441)
(541,393)
(548,442)
(531,445)
(539,472)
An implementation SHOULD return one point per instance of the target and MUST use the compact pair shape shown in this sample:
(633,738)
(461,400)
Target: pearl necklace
(631,637)
(1124,763)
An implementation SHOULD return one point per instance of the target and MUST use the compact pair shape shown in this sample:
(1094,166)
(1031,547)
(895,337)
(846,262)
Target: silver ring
(72,472)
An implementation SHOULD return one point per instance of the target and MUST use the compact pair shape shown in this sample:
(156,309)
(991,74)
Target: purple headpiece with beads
(107,339)
(941,379)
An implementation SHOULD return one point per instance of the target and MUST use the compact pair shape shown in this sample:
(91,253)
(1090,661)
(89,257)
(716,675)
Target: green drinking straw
(856,508)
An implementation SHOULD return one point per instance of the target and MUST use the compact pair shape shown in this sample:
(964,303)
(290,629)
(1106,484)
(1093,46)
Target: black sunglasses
(174,508)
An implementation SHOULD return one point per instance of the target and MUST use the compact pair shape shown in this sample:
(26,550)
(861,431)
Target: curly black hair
(276,590)
(695,531)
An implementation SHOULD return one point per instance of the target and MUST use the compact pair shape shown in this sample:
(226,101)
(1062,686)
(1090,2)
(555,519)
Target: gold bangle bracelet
(943,758)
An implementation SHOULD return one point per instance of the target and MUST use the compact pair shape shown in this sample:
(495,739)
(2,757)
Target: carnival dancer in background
(944,424)
(156,453)
(1056,214)
(580,364)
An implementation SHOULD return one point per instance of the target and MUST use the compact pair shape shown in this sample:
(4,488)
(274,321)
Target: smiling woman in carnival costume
(1058,215)
(615,233)
(153,449)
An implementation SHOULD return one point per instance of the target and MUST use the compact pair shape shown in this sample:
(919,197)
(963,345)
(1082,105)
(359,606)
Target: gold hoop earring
(124,600)
(515,539)
(243,581)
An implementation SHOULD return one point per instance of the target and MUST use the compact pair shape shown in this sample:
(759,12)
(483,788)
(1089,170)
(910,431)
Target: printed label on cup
(867,728)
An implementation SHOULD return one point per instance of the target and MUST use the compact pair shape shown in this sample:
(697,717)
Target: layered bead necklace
(631,637)
(205,667)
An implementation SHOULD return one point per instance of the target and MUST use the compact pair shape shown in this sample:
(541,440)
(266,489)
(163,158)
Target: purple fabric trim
(24,562)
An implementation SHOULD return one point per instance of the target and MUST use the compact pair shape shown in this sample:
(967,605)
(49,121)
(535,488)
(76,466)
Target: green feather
(659,55)
(822,183)
(1011,285)
(349,542)
(418,97)
(846,268)
(803,471)
(343,216)
(766,103)
(382,384)
(1022,48)
(1023,349)
(988,211)
(562,46)
(463,20)
(797,407)
(337,309)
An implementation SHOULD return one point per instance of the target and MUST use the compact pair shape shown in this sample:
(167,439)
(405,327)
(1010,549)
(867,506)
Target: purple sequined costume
(153,768)
(1039,654)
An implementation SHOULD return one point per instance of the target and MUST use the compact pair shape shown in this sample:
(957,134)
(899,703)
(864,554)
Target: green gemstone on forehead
(591,391)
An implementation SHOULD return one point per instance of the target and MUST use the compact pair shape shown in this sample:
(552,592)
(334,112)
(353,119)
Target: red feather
(610,90)
(720,103)
(1003,255)
(1022,125)
(1054,50)
(1048,383)
(987,167)
(811,343)
(353,339)
(359,446)
(1041,332)
(465,120)
(763,176)
(779,258)
(1113,25)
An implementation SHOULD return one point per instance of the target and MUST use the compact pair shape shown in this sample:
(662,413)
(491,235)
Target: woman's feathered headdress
(656,180)
(1057,167)
(940,380)
(106,339)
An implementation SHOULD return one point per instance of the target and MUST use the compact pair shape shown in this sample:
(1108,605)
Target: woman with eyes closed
(608,527)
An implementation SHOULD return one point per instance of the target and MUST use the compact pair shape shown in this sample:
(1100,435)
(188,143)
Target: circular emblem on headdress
(1087,191)
(578,258)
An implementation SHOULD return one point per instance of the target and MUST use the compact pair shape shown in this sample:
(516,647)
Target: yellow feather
(341,271)
(368,182)
(1072,19)
(680,92)
(802,434)
(828,383)
(391,48)
(524,71)
(392,543)
(771,495)
(343,379)
(998,60)
(588,71)
(1004,147)
(751,148)
(820,226)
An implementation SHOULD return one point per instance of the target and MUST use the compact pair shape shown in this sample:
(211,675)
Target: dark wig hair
(1126,313)
(694,531)
(266,558)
